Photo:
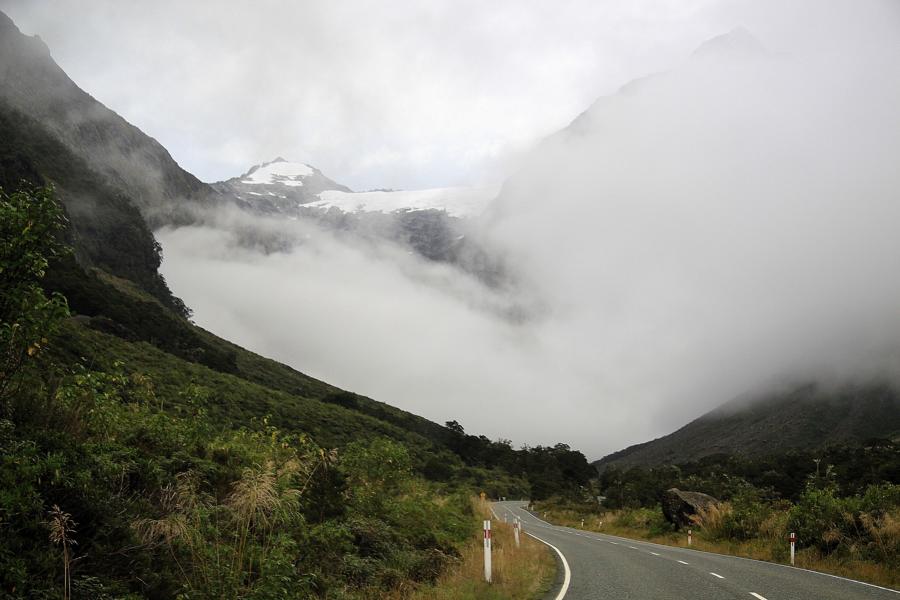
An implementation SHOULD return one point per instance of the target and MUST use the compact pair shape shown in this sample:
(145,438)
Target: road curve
(605,566)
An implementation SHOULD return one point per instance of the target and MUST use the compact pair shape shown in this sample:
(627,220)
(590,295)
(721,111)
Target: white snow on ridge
(459,202)
(283,172)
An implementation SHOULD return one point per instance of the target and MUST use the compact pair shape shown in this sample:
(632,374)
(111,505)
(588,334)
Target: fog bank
(722,225)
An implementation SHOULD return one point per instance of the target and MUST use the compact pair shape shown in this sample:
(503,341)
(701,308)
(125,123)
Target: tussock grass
(522,573)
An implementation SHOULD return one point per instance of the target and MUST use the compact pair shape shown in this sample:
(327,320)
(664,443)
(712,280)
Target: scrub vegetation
(128,470)
(843,503)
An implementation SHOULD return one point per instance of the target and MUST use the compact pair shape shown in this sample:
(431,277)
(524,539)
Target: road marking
(716,575)
(614,543)
(684,563)
(763,562)
(755,595)
(567,578)
(632,547)
(538,520)
(655,553)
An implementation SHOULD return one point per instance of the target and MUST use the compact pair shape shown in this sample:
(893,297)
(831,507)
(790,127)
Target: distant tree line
(849,469)
(550,470)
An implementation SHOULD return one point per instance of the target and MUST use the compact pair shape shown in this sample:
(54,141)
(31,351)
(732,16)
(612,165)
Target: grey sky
(375,93)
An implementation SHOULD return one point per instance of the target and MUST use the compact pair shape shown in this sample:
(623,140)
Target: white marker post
(582,523)
(689,537)
(793,538)
(516,527)
(487,550)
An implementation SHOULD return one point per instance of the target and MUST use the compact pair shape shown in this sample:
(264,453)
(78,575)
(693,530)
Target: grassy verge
(644,524)
(522,573)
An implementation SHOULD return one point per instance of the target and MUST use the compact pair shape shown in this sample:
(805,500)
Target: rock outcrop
(678,506)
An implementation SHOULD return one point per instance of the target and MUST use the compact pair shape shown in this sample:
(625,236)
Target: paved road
(605,566)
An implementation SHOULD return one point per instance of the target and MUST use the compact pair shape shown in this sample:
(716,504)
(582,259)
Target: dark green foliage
(833,523)
(843,501)
(550,470)
(105,228)
(29,224)
(133,316)
(850,468)
(185,476)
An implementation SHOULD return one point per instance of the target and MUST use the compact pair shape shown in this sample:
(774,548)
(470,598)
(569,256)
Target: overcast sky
(375,93)
(728,223)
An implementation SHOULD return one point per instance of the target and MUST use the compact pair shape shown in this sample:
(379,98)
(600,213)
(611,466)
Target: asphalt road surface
(597,566)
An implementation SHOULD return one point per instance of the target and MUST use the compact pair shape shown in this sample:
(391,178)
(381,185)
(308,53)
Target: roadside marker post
(689,537)
(582,523)
(516,527)
(793,539)
(487,550)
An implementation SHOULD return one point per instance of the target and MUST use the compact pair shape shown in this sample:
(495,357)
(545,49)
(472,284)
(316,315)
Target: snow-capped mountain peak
(278,171)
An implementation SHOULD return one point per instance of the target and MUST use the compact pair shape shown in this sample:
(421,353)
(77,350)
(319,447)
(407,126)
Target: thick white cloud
(724,224)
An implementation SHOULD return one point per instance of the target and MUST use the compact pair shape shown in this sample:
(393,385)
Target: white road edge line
(765,562)
(567,578)
(716,575)
(755,595)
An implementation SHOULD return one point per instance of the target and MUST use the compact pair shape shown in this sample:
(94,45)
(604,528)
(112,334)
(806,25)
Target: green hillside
(802,418)
(133,470)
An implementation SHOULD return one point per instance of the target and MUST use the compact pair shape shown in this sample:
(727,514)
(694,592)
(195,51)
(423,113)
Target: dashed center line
(614,543)
(632,547)
(716,575)
(684,563)
(655,553)
(755,595)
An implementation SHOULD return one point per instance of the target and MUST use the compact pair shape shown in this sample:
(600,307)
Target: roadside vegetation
(847,521)
(130,471)
(518,573)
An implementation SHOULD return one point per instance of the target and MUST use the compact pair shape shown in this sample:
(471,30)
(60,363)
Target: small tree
(30,222)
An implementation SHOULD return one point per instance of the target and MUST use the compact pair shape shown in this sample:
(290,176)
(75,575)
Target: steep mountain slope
(807,417)
(105,228)
(124,315)
(113,285)
(131,161)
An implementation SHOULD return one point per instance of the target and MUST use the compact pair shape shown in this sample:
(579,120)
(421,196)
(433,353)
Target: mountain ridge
(803,417)
(133,162)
